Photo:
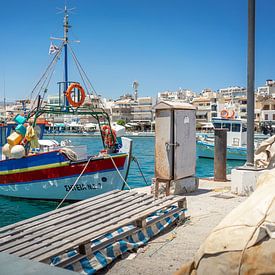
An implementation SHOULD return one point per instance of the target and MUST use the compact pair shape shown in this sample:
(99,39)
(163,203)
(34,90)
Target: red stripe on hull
(65,171)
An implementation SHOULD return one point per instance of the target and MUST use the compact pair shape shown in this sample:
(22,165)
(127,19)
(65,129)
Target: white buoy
(17,151)
(6,150)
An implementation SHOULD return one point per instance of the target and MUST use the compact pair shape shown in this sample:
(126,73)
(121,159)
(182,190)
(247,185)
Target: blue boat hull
(206,150)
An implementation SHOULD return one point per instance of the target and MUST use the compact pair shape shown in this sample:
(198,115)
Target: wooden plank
(99,225)
(61,221)
(122,235)
(68,225)
(83,224)
(59,211)
(41,222)
(84,236)
(88,226)
(85,249)
(112,228)
(58,231)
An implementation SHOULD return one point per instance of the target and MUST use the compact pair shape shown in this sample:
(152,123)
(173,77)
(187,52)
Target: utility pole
(250,83)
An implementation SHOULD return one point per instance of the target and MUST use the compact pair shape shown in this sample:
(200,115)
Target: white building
(234,91)
(183,95)
(268,89)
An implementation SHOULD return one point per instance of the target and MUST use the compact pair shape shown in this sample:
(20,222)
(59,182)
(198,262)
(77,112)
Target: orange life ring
(109,135)
(68,94)
(224,114)
(232,114)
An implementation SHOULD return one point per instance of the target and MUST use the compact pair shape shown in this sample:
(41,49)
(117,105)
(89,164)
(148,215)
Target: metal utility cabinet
(175,142)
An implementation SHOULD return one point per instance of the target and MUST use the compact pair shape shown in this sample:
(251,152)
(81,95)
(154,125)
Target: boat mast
(66,29)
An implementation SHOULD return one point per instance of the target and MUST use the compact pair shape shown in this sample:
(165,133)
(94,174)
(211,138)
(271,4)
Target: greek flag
(53,49)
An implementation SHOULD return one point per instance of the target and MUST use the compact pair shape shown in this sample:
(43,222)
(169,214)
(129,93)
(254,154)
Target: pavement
(167,252)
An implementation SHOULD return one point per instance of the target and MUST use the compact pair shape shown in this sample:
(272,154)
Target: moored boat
(41,169)
(236,139)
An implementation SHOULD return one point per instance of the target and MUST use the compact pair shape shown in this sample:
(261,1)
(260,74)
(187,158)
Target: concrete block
(243,182)
(185,185)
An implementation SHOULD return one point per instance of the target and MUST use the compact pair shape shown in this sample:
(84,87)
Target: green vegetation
(121,122)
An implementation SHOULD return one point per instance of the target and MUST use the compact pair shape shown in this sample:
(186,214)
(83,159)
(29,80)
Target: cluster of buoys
(14,147)
(226,114)
(109,135)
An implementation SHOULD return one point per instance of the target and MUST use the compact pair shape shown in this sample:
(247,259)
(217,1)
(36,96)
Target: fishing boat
(236,139)
(61,171)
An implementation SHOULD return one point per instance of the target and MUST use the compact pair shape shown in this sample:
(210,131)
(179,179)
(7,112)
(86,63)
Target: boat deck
(74,226)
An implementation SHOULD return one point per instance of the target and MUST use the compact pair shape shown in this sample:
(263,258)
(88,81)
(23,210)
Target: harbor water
(13,210)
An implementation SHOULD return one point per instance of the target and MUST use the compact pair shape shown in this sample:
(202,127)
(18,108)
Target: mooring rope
(75,182)
(119,172)
(139,168)
(80,175)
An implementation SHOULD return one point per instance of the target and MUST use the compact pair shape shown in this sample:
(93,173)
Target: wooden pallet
(73,227)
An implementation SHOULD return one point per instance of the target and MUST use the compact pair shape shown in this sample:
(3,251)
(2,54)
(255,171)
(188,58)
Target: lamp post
(250,83)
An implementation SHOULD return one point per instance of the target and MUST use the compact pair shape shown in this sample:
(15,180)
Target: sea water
(14,209)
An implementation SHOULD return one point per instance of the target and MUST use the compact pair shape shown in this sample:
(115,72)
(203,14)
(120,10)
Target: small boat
(236,139)
(61,171)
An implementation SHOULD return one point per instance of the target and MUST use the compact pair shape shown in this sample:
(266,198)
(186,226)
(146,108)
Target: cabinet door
(185,140)
(163,153)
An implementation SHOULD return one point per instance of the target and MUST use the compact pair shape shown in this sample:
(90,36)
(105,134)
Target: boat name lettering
(81,187)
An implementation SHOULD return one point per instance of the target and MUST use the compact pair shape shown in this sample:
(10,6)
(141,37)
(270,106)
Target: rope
(80,175)
(119,172)
(44,76)
(136,161)
(80,68)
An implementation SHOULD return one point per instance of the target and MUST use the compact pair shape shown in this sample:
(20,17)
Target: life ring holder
(68,94)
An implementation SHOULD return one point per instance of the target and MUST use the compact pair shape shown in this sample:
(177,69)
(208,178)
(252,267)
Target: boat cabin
(237,128)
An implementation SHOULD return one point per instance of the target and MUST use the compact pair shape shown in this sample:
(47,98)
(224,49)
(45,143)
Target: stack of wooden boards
(75,226)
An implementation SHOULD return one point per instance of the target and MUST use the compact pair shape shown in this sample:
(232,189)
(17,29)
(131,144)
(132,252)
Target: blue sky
(164,45)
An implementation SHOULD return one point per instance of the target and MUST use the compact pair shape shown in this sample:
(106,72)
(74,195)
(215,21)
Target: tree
(121,122)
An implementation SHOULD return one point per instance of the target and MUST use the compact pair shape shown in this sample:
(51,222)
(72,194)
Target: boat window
(244,128)
(217,125)
(236,127)
(226,126)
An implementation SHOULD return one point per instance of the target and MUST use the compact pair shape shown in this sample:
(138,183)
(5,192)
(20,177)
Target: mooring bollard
(220,155)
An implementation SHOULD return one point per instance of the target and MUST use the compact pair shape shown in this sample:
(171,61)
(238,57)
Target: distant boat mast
(66,30)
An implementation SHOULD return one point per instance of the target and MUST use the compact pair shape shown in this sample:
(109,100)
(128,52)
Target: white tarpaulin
(244,241)
(265,154)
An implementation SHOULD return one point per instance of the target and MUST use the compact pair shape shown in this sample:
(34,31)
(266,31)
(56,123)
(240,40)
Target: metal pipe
(250,82)
(220,155)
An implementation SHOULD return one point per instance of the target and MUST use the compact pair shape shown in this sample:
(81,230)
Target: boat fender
(17,151)
(108,136)
(68,94)
(6,150)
